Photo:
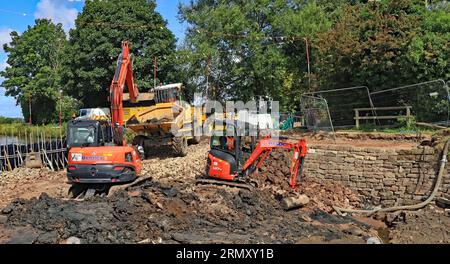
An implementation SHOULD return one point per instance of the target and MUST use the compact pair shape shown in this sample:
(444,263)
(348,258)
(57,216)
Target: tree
(95,44)
(383,45)
(250,48)
(34,69)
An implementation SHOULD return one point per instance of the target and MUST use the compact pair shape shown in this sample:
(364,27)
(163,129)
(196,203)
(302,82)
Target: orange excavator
(99,156)
(230,162)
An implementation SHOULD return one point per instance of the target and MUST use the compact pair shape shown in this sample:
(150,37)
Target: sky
(17,15)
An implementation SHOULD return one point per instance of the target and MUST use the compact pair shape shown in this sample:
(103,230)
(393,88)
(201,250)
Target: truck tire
(180,146)
(140,141)
(195,140)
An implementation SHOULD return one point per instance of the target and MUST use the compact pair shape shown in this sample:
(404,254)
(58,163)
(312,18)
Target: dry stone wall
(381,176)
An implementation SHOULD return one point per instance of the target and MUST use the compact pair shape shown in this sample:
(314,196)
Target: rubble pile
(275,174)
(155,212)
(166,206)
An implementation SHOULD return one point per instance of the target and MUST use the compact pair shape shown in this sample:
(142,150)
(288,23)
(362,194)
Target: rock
(170,192)
(373,240)
(355,231)
(8,209)
(27,235)
(48,238)
(134,193)
(73,240)
(294,202)
(3,219)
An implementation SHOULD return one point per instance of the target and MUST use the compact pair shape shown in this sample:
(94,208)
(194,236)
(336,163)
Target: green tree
(241,49)
(383,45)
(95,44)
(34,69)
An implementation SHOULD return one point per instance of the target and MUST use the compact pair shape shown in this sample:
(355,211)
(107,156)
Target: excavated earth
(166,206)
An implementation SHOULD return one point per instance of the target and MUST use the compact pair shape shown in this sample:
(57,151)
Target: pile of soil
(168,212)
(425,226)
(275,174)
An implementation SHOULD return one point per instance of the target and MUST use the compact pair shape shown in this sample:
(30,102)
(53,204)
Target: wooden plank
(384,108)
(380,117)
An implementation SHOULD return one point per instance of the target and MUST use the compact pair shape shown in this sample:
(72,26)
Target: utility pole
(207,76)
(29,106)
(154,73)
(60,108)
(309,66)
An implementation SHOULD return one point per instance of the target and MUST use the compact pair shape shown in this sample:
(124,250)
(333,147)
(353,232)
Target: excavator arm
(266,145)
(122,76)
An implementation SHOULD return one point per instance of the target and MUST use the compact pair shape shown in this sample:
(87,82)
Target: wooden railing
(358,116)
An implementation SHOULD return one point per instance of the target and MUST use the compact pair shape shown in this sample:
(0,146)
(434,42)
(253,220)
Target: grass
(399,129)
(21,129)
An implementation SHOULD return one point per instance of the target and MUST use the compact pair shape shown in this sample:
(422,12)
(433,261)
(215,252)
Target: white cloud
(4,37)
(3,65)
(57,11)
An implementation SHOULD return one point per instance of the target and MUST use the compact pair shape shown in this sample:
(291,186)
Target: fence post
(408,116)
(357,118)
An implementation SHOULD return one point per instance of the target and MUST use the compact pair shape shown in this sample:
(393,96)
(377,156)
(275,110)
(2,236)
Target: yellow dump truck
(168,122)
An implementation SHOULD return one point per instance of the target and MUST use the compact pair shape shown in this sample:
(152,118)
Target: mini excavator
(227,163)
(99,156)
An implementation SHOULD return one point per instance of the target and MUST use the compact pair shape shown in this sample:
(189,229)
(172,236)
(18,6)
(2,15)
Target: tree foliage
(383,45)
(238,46)
(34,69)
(233,49)
(249,48)
(95,43)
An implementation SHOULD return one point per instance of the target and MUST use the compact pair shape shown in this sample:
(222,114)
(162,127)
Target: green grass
(399,129)
(22,129)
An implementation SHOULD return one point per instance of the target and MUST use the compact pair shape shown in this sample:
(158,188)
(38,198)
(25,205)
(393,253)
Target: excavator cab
(89,133)
(228,150)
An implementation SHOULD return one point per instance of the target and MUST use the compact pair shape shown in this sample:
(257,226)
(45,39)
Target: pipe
(339,210)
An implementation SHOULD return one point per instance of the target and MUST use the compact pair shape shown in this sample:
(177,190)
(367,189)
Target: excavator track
(81,192)
(139,181)
(237,184)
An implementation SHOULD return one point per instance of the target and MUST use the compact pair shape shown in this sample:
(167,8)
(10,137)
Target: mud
(154,213)
(166,206)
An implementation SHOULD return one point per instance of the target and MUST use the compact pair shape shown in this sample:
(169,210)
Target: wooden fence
(375,115)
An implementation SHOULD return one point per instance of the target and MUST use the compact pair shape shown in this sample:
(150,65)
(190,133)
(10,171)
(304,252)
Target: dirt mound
(168,207)
(275,175)
(157,212)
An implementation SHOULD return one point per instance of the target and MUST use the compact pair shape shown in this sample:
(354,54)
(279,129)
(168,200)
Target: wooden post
(46,157)
(357,118)
(7,157)
(408,116)
(26,145)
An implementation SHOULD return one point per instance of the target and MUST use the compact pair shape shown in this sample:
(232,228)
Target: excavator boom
(122,76)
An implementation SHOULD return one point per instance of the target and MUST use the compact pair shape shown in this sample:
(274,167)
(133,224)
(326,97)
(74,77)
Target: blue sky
(17,15)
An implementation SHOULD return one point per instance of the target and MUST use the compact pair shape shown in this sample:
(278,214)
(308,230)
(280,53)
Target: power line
(13,12)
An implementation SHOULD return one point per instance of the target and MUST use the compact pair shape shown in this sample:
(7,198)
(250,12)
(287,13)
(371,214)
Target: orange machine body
(105,164)
(220,169)
(226,158)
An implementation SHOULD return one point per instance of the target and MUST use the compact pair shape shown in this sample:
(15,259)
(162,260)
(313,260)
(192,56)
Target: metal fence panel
(342,101)
(316,113)
(429,100)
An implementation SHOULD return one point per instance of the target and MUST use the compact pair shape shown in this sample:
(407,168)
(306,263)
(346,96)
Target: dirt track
(169,208)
